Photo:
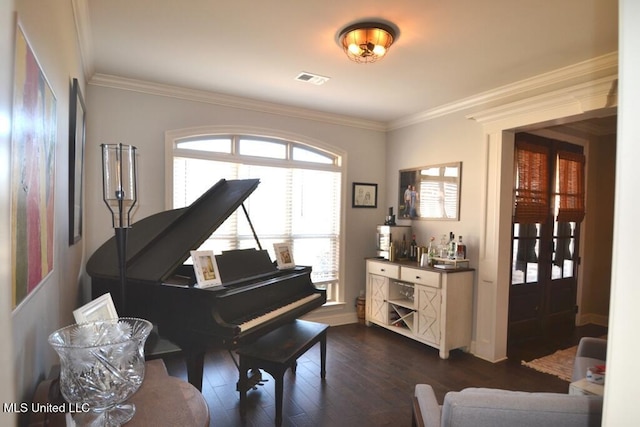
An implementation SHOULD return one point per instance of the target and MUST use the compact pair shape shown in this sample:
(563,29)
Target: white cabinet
(428,305)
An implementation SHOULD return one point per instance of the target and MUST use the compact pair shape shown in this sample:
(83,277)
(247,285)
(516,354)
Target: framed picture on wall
(33,159)
(364,195)
(76,161)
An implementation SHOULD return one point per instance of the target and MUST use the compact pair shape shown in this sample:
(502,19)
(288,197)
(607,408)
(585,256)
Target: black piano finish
(160,288)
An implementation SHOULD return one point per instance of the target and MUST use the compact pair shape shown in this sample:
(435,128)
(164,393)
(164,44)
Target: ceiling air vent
(312,78)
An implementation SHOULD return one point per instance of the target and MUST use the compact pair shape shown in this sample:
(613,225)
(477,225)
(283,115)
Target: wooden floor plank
(371,374)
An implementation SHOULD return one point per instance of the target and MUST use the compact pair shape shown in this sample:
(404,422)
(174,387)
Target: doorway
(545,240)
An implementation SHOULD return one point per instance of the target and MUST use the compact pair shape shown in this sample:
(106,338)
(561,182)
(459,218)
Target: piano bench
(277,351)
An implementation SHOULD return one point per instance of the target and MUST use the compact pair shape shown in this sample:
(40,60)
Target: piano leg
(195,367)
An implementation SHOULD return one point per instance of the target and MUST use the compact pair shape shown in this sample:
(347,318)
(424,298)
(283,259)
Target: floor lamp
(119,192)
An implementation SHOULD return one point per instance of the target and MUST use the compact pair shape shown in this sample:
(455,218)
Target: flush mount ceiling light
(366,41)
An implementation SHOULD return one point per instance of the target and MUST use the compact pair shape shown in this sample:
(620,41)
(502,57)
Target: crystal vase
(101,366)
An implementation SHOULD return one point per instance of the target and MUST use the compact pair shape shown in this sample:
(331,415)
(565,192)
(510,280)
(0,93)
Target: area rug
(559,363)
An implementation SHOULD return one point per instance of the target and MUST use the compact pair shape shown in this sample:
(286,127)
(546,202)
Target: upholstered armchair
(591,352)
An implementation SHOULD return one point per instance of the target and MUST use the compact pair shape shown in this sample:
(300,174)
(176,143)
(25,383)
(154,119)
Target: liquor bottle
(444,246)
(432,252)
(452,246)
(461,249)
(403,248)
(413,249)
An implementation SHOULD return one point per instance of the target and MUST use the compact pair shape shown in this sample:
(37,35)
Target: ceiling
(446,50)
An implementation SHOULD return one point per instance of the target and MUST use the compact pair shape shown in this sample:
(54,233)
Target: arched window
(298,200)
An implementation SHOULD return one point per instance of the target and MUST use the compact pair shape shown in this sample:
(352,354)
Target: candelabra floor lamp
(119,192)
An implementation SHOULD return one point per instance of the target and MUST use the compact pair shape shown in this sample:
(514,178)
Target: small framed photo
(284,255)
(206,269)
(101,308)
(365,195)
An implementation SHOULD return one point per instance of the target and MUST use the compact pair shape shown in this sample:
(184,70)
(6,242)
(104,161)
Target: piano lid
(158,244)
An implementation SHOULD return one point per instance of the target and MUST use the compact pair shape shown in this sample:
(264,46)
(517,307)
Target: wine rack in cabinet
(401,305)
(426,304)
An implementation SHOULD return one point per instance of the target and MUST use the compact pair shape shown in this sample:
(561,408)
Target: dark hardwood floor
(371,374)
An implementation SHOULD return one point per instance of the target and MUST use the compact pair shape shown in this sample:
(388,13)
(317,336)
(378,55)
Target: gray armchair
(483,407)
(591,352)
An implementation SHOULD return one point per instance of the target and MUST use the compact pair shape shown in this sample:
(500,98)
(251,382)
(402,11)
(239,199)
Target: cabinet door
(427,301)
(378,291)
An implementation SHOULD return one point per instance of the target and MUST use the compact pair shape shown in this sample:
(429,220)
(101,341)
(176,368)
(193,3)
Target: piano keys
(255,297)
(255,322)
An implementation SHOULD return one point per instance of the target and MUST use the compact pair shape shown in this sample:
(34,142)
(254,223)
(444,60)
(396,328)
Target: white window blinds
(296,202)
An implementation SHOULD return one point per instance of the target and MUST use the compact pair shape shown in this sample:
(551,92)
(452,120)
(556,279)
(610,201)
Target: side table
(160,400)
(586,388)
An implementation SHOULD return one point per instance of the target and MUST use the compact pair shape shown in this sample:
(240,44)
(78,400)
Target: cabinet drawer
(384,269)
(422,277)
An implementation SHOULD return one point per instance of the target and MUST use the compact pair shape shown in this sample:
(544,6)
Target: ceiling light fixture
(366,41)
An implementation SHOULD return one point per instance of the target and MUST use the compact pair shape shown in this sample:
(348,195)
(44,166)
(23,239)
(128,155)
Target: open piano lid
(158,244)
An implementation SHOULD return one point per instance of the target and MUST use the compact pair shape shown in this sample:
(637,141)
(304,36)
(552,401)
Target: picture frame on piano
(101,308)
(284,255)
(206,269)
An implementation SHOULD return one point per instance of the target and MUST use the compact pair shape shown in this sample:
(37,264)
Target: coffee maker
(386,234)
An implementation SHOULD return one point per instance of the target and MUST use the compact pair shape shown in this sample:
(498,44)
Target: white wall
(7,390)
(620,390)
(141,119)
(451,138)
(50,29)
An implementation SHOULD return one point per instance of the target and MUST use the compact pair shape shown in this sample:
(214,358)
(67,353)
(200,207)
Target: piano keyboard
(277,312)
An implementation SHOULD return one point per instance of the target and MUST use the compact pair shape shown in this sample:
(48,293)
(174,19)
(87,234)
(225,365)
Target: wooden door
(542,298)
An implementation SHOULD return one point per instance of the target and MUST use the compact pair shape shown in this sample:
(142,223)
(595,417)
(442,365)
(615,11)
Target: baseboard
(332,319)
(592,318)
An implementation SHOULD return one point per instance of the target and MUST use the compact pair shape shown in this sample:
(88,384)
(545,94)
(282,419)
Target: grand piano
(254,299)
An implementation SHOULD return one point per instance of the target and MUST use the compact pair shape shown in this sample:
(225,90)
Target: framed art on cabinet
(76,161)
(365,195)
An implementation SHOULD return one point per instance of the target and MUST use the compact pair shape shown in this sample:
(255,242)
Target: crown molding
(83,34)
(134,85)
(605,64)
(585,97)
(602,65)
